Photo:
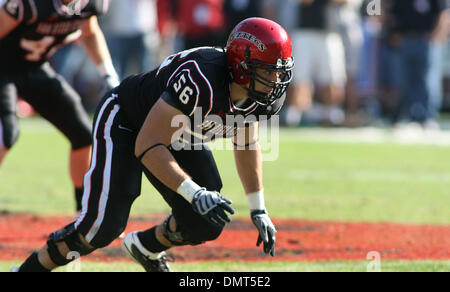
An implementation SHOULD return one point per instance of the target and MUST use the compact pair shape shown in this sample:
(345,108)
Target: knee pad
(72,239)
(185,236)
(208,232)
(177,237)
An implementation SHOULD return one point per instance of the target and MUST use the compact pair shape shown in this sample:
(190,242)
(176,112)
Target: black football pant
(113,182)
(51,96)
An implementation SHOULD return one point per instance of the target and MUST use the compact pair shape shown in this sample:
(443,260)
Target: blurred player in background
(199,22)
(131,32)
(30,32)
(412,30)
(318,89)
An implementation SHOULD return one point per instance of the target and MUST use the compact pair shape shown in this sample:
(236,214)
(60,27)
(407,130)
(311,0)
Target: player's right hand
(212,207)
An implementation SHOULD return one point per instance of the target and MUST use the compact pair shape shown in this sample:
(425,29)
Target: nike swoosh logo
(126,129)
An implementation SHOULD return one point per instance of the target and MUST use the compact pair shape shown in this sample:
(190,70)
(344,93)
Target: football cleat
(151,262)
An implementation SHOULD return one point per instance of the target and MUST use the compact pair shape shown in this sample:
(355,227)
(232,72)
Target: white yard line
(406,136)
(369,176)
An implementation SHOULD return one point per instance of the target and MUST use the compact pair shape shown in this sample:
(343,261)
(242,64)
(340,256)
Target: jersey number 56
(186,93)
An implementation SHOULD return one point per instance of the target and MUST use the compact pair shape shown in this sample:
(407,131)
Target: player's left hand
(266,230)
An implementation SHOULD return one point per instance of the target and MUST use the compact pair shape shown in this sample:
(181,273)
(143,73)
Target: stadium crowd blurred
(358,62)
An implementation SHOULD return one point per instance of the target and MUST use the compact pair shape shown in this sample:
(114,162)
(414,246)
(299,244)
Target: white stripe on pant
(106,171)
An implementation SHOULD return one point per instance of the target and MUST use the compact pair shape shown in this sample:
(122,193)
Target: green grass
(311,179)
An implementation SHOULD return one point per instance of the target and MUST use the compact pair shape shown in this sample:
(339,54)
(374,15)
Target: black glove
(266,230)
(211,206)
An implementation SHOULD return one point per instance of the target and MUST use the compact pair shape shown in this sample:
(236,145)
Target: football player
(151,124)
(30,31)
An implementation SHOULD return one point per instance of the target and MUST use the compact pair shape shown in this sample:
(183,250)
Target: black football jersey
(196,82)
(44,25)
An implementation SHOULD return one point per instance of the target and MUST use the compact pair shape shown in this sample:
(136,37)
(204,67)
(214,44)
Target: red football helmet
(258,43)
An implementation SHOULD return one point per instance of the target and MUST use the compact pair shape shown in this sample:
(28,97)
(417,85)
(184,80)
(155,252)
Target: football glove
(212,207)
(266,230)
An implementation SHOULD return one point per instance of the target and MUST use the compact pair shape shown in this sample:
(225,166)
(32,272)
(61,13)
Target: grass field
(316,177)
(281,266)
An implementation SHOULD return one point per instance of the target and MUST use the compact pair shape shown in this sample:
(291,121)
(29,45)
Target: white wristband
(107,69)
(256,200)
(187,189)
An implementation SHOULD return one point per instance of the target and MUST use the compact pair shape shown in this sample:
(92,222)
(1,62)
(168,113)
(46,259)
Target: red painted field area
(296,240)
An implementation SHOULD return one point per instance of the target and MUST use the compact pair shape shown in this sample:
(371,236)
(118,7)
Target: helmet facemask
(283,69)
